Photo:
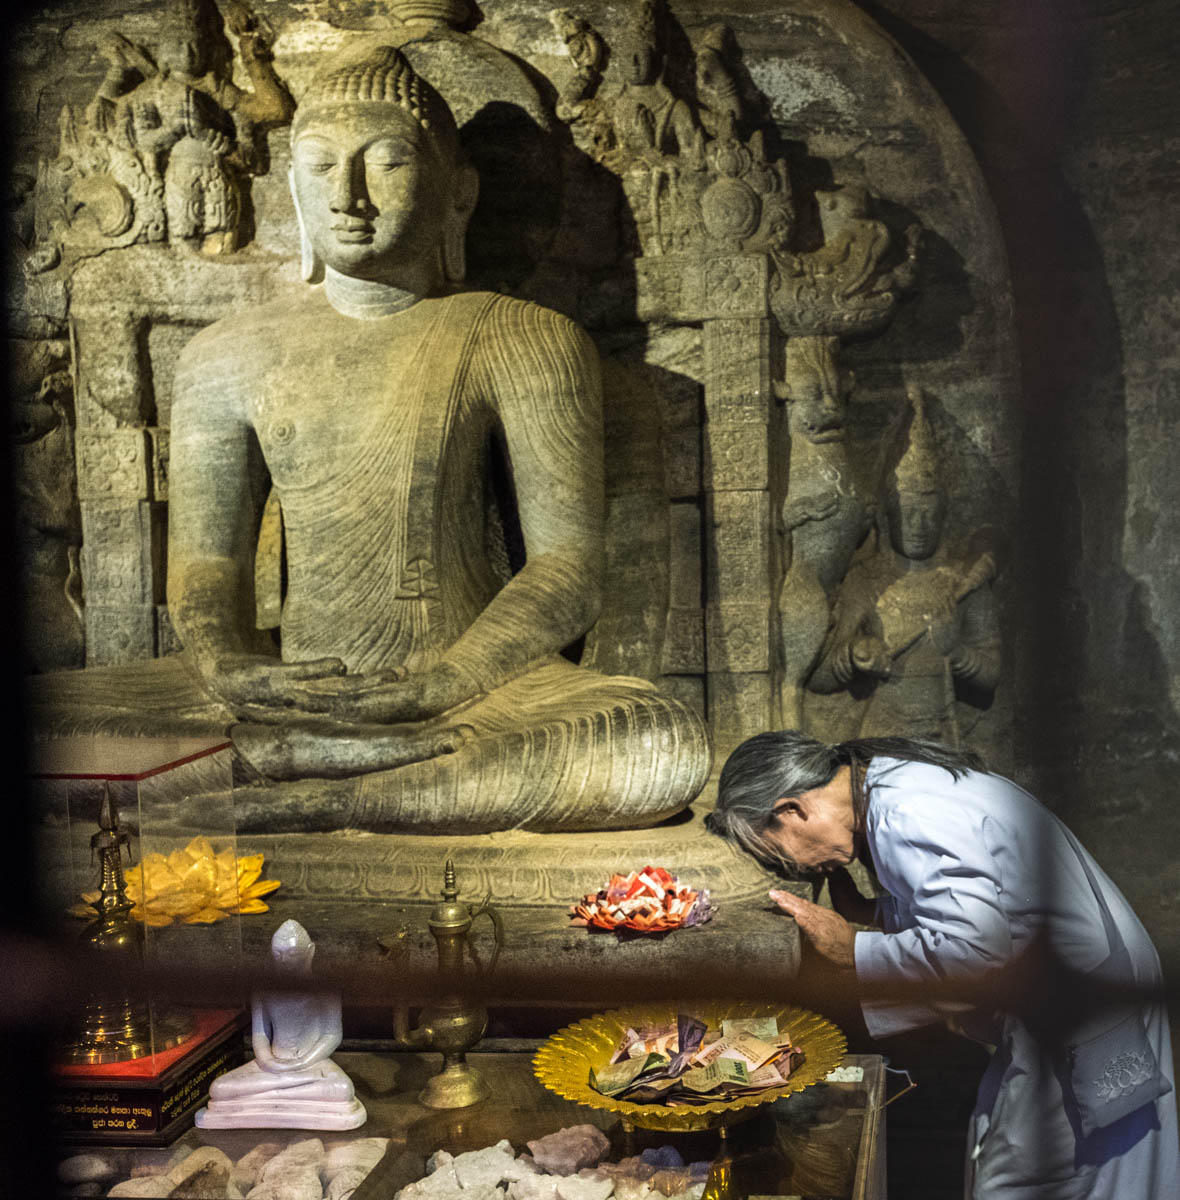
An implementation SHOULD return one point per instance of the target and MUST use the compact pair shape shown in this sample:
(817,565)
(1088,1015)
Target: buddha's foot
(326,750)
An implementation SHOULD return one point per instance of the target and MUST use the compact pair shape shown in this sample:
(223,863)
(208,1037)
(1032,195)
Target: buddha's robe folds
(386,493)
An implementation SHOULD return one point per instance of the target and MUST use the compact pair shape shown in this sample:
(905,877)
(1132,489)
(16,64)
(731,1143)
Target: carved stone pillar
(728,295)
(739,413)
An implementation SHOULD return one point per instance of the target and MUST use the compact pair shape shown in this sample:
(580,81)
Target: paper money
(690,1064)
(765,1028)
(653,1039)
(617,1077)
(744,1047)
(723,1072)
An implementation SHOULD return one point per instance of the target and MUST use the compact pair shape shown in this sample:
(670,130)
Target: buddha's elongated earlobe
(455,231)
(310,266)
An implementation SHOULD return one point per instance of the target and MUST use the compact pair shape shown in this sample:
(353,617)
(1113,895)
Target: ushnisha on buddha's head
(381,186)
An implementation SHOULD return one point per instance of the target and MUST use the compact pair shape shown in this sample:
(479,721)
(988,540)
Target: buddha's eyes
(384,158)
(316,160)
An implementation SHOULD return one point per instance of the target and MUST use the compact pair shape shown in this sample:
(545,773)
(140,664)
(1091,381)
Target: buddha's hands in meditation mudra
(266,690)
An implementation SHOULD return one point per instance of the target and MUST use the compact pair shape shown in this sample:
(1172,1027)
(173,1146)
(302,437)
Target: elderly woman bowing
(974,870)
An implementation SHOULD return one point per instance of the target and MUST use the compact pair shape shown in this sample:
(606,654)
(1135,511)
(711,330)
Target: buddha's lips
(353,233)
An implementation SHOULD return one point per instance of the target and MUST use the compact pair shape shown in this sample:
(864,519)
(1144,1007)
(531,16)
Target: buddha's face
(294,958)
(372,192)
(915,523)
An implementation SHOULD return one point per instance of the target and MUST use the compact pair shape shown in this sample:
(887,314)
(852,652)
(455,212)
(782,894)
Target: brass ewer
(452,1026)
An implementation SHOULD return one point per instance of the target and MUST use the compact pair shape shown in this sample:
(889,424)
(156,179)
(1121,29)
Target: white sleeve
(937,858)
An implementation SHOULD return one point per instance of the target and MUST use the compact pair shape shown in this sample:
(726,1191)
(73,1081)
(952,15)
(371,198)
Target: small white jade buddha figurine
(292,1083)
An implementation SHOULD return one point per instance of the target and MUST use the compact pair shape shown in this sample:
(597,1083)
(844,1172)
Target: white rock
(489,1167)
(359,1154)
(86,1168)
(344,1182)
(153,1186)
(440,1158)
(212,1165)
(245,1173)
(297,1182)
(533,1187)
(627,1188)
(308,1153)
(574,1187)
(440,1184)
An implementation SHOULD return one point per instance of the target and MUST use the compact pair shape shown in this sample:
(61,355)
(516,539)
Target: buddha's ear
(466,193)
(310,266)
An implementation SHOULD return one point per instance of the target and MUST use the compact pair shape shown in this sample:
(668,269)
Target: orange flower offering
(193,886)
(649,901)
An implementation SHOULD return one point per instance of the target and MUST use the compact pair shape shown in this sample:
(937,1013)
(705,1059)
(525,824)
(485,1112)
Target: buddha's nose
(348,192)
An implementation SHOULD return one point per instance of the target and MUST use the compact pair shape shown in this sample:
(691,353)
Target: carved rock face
(915,523)
(372,193)
(816,410)
(639,61)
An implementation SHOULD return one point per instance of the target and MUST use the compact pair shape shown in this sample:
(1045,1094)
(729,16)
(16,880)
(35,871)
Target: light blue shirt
(973,870)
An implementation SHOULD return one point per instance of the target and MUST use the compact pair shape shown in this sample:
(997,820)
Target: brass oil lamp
(452,1026)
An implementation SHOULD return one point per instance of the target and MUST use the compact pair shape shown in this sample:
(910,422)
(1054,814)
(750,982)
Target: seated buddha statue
(291,1082)
(419,685)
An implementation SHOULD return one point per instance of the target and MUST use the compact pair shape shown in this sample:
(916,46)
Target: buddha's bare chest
(322,413)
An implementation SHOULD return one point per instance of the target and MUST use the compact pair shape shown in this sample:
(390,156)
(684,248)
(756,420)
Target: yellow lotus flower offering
(193,886)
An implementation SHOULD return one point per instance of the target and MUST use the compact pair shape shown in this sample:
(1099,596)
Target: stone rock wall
(1072,111)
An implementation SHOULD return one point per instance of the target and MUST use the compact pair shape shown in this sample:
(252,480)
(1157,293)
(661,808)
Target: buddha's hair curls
(770,766)
(384,76)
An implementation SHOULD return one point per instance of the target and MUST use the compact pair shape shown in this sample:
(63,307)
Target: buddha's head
(916,504)
(292,947)
(381,186)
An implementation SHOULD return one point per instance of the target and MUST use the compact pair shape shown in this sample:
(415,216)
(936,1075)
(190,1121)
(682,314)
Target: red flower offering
(652,900)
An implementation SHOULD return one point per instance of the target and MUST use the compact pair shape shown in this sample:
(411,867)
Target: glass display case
(827,1141)
(139,853)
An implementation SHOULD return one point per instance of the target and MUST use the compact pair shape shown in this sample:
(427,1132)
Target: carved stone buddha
(420,686)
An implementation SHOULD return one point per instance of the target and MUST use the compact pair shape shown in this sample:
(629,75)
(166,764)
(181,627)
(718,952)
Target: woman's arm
(937,857)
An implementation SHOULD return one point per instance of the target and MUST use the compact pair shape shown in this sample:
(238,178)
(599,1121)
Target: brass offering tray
(564,1062)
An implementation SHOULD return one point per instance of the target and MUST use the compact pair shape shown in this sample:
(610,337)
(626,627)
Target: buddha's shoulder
(510,323)
(257,331)
(510,310)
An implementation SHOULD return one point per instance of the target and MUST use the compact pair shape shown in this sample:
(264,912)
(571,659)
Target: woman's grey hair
(784,763)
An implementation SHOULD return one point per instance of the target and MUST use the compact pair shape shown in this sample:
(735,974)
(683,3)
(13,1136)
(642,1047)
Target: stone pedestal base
(539,872)
(281,1114)
(353,891)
